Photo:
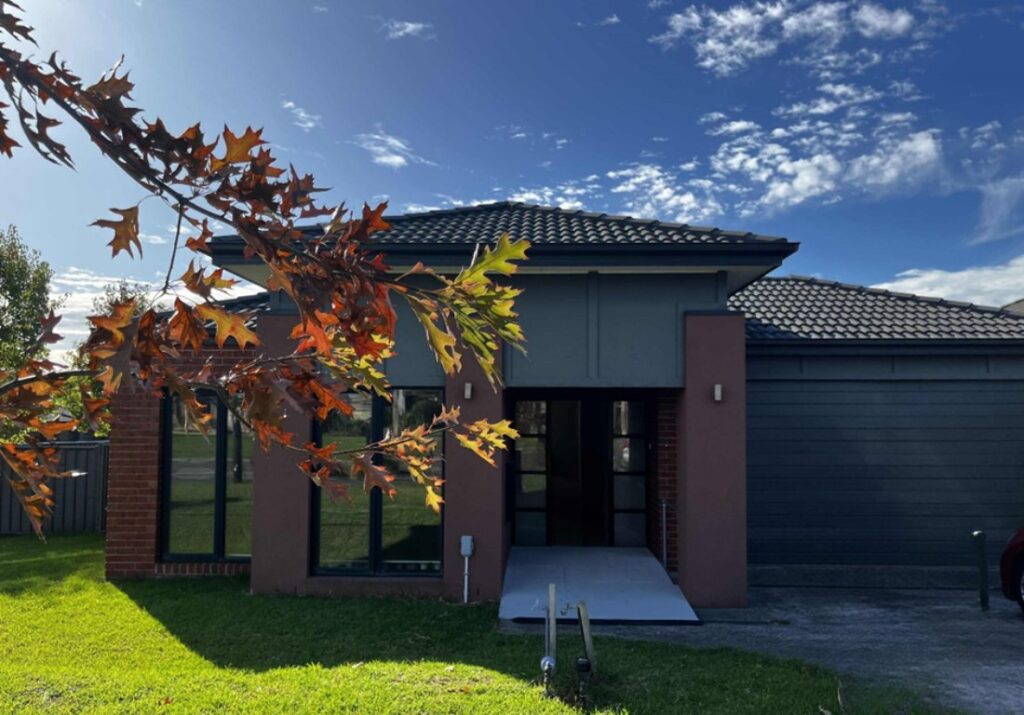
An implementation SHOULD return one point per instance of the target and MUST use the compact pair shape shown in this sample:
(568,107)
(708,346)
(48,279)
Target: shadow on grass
(218,619)
(58,563)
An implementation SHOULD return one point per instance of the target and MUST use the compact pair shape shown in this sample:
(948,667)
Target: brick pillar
(133,479)
(666,478)
(281,492)
(712,458)
(474,494)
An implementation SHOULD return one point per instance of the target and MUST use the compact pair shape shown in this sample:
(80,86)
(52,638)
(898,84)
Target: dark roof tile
(802,308)
(485,223)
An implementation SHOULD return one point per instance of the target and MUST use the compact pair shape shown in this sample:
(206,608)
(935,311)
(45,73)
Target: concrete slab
(619,585)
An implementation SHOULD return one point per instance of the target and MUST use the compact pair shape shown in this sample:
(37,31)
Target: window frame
(375,569)
(220,485)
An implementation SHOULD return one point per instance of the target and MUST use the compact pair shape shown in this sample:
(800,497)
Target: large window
(207,485)
(372,534)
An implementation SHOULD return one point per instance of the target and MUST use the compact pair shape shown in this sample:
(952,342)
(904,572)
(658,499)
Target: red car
(1011,568)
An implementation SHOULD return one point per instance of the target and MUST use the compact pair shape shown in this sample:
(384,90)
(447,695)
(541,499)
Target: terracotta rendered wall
(474,494)
(133,486)
(712,497)
(281,492)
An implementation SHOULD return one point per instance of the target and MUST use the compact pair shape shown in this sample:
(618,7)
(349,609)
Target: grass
(71,642)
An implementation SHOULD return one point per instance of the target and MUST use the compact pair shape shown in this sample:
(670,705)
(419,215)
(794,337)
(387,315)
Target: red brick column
(665,478)
(133,479)
(712,458)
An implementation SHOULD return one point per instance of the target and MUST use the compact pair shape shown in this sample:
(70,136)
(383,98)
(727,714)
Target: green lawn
(70,642)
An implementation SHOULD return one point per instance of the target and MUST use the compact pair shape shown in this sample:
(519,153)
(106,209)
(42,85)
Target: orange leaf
(237,149)
(228,325)
(126,231)
(185,328)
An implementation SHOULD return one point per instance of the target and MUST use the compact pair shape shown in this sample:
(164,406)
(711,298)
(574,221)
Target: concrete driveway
(935,642)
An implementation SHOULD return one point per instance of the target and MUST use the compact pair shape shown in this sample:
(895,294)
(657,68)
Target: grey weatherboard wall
(883,460)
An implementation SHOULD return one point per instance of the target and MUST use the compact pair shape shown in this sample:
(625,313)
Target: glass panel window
(207,497)
(531,491)
(410,531)
(192,492)
(630,491)
(628,454)
(375,534)
(627,418)
(630,529)
(531,417)
(531,454)
(345,525)
(531,528)
(238,489)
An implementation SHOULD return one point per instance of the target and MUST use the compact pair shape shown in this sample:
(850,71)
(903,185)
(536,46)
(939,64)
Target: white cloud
(1002,212)
(570,195)
(154,239)
(397,29)
(612,19)
(796,181)
(834,96)
(736,127)
(823,20)
(655,4)
(652,191)
(420,208)
(728,40)
(725,41)
(874,21)
(712,117)
(80,287)
(897,118)
(300,117)
(898,162)
(659,140)
(691,165)
(388,150)
(995,285)
(320,8)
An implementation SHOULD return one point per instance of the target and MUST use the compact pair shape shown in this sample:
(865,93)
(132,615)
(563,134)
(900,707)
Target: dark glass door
(579,470)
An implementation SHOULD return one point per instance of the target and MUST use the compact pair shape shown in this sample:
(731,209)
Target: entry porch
(618,584)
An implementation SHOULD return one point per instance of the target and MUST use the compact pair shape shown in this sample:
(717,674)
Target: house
(675,399)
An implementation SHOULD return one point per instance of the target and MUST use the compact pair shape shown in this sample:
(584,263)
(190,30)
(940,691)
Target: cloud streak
(304,120)
(400,29)
(389,150)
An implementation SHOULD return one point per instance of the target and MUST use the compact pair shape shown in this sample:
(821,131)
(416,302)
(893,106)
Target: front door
(579,470)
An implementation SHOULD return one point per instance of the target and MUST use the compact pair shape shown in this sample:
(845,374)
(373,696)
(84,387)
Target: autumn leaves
(341,286)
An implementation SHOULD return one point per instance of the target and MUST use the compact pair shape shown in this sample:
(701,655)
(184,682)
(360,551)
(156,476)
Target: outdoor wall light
(467,391)
(718,393)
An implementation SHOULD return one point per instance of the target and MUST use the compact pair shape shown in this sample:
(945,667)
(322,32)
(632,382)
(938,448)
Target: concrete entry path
(619,585)
(935,642)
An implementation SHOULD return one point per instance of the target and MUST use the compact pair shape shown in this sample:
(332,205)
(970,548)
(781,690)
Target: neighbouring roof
(1016,307)
(801,308)
(485,223)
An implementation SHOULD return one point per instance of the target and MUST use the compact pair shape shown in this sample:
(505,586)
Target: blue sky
(886,137)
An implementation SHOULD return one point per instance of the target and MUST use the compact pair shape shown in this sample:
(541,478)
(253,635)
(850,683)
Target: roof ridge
(597,216)
(933,300)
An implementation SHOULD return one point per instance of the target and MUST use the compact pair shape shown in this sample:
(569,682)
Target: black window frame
(220,438)
(376,523)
